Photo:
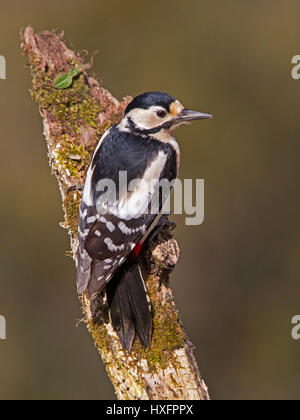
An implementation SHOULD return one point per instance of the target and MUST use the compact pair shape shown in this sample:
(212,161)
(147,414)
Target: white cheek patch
(146,119)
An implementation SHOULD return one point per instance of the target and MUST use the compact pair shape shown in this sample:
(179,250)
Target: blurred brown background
(237,284)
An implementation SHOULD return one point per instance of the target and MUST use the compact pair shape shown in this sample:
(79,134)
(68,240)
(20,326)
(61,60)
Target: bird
(115,220)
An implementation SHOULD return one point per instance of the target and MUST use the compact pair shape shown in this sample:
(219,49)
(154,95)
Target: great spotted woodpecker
(116,219)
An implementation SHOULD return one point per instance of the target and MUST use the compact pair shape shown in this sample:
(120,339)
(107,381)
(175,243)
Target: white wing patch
(136,203)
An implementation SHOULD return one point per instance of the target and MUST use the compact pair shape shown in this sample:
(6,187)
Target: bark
(74,118)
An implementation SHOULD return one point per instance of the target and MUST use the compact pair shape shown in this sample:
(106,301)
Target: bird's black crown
(148,99)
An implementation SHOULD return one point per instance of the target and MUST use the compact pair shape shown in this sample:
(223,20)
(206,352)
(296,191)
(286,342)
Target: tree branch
(74,118)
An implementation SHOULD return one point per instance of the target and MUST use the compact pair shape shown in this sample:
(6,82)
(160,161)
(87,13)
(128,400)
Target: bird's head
(153,112)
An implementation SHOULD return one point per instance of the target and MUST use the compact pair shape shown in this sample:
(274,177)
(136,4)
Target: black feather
(139,304)
(148,99)
(128,306)
(120,310)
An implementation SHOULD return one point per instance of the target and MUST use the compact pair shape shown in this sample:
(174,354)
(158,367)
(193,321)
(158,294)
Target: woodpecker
(115,220)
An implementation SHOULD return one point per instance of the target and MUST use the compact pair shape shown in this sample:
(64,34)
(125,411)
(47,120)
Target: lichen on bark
(74,120)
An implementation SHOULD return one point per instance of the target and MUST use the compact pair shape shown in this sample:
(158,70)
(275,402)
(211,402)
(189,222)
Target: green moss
(70,157)
(71,205)
(104,345)
(74,107)
(167,333)
(70,111)
(100,336)
(159,264)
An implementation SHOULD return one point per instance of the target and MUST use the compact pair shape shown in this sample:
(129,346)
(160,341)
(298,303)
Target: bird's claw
(163,224)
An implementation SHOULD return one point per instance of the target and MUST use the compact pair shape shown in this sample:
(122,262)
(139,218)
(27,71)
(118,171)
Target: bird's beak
(187,115)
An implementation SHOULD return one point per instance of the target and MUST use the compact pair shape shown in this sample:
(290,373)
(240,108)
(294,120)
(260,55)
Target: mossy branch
(74,117)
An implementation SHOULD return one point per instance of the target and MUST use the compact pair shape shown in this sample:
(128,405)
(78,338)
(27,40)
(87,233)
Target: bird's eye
(161,113)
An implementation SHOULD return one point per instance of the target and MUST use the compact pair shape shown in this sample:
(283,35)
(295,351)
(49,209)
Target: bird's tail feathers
(129,306)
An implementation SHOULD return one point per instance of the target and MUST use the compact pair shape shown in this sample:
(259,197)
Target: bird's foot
(164,225)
